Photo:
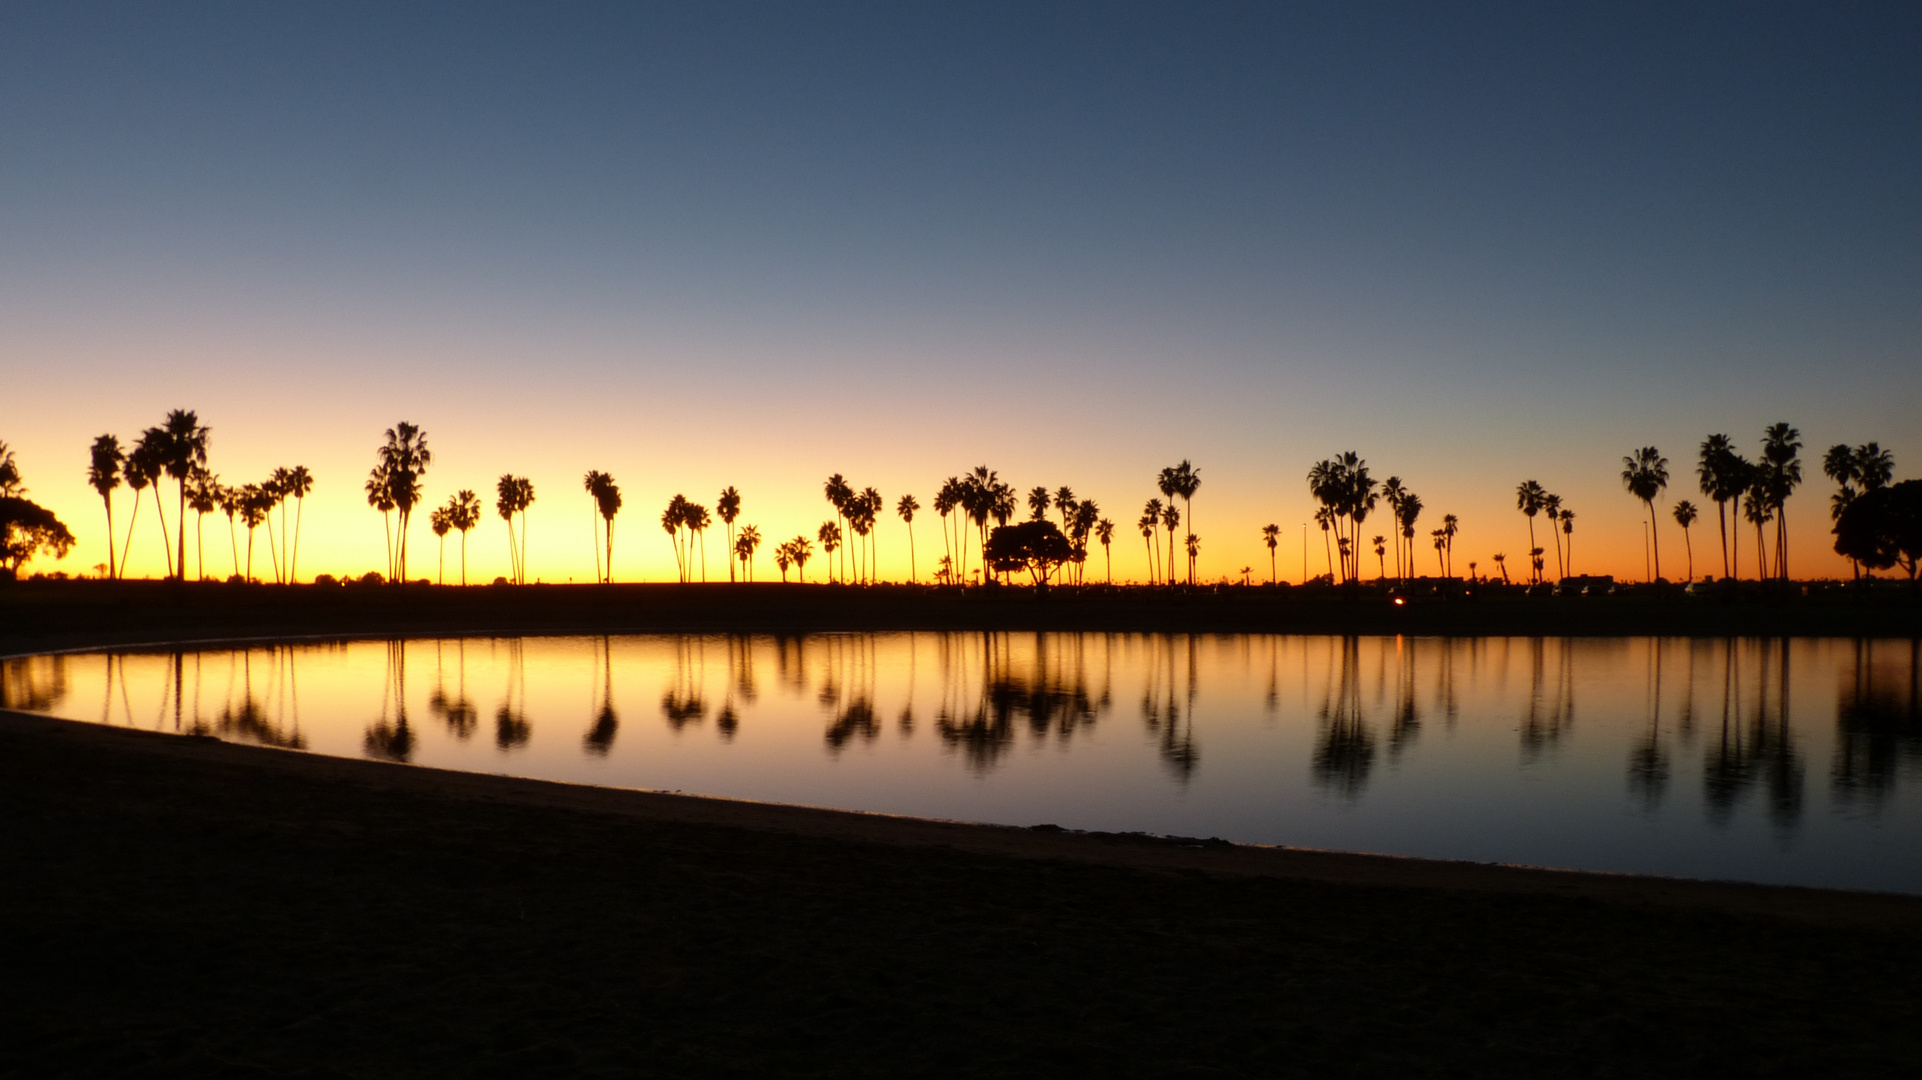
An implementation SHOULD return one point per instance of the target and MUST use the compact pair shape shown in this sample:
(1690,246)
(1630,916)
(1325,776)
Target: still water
(1756,759)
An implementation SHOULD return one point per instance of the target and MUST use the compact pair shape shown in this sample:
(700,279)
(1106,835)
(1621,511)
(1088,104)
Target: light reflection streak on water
(1765,759)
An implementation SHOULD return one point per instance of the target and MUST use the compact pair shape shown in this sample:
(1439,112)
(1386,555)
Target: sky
(757,244)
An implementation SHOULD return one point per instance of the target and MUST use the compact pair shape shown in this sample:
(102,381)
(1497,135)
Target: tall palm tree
(1530,497)
(872,505)
(801,550)
(380,496)
(1450,526)
(1392,491)
(406,457)
(1104,532)
(783,558)
(103,473)
(512,496)
(1756,507)
(672,519)
(1552,504)
(1411,508)
(946,500)
(281,485)
(1781,447)
(1187,480)
(728,505)
(254,504)
(1715,469)
(906,508)
(1151,521)
(146,465)
(1440,538)
(1171,520)
(838,492)
(1685,515)
(592,483)
(1381,555)
(1645,476)
(1064,502)
(1568,539)
(1271,535)
(464,511)
(1325,517)
(299,483)
(186,449)
(698,521)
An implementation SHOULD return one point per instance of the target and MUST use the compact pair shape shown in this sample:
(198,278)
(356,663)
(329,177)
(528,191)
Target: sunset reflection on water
(1758,759)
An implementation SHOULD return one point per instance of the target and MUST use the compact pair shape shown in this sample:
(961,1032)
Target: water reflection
(1719,733)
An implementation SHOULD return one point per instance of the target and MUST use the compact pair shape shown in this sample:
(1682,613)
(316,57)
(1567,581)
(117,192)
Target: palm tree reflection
(391,738)
(600,734)
(682,703)
(456,711)
(1765,750)
(1878,723)
(1648,760)
(1344,746)
(511,729)
(988,696)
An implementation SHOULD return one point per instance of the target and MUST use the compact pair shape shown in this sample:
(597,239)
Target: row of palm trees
(1348,494)
(177,449)
(1758,489)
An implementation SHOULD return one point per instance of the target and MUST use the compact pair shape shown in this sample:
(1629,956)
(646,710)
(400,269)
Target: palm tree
(1450,526)
(203,497)
(1271,535)
(1552,503)
(1568,539)
(1038,502)
(1868,465)
(946,499)
(1411,508)
(728,505)
(1381,555)
(513,495)
(104,474)
(254,504)
(380,496)
(1685,516)
(672,519)
(1755,506)
(464,512)
(1716,470)
(1104,532)
(1645,475)
(838,493)
(871,506)
(1064,502)
(406,457)
(149,461)
(1150,521)
(441,520)
(9,473)
(185,440)
(1325,517)
(744,548)
(1530,497)
(1440,537)
(299,483)
(1781,447)
(800,550)
(1187,480)
(1501,563)
(830,534)
(1170,520)
(697,523)
(906,508)
(592,484)
(783,558)
(1391,493)
(1874,466)
(280,486)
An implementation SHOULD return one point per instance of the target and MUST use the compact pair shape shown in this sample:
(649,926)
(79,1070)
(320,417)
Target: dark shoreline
(181,906)
(48,615)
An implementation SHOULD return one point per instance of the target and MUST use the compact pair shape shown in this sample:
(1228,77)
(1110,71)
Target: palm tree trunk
(463,563)
(233,543)
(160,511)
(272,555)
(250,553)
(200,546)
(126,549)
(181,562)
(594,528)
(1690,545)
(1531,543)
(300,513)
(1782,542)
(1654,538)
(1721,523)
(523,545)
(911,573)
(440,572)
(113,566)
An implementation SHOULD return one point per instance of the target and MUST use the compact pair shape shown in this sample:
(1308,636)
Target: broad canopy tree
(1883,528)
(1035,546)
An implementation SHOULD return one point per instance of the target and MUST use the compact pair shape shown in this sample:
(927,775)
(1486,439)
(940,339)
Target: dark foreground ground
(173,906)
(39,615)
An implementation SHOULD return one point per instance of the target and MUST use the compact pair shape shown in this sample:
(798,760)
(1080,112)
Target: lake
(1771,760)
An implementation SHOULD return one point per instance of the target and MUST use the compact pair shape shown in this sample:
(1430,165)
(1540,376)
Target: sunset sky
(701,245)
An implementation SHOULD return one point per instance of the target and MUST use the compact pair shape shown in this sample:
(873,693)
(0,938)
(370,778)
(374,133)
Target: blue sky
(1473,242)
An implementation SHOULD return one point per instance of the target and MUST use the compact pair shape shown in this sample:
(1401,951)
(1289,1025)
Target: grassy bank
(61,614)
(178,906)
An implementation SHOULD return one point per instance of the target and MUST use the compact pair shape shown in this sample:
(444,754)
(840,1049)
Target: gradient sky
(699,245)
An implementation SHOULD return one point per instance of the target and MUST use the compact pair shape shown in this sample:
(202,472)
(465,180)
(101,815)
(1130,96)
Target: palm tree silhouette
(1450,526)
(1645,475)
(672,519)
(744,548)
(1271,535)
(104,475)
(513,495)
(1381,555)
(1151,521)
(1685,516)
(406,457)
(838,493)
(145,466)
(185,440)
(830,534)
(299,483)
(906,508)
(1568,538)
(800,550)
(1171,520)
(441,520)
(1391,493)
(1501,563)
(872,504)
(203,497)
(1325,517)
(380,496)
(592,483)
(463,513)
(1187,480)
(1038,502)
(254,504)
(697,524)
(946,499)
(1781,445)
(783,558)
(1104,532)
(1411,508)
(1529,499)
(1552,503)
(1717,470)
(1755,506)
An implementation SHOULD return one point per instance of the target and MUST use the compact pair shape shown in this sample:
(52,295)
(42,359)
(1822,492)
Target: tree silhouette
(1392,492)
(947,499)
(1170,521)
(1039,500)
(1501,563)
(463,513)
(838,493)
(406,457)
(203,498)
(184,440)
(1036,546)
(146,465)
(1867,465)
(27,529)
(1530,497)
(1271,535)
(871,505)
(1568,538)
(230,505)
(9,474)
(1756,507)
(1719,471)
(1450,526)
(607,502)
(801,549)
(1552,505)
(1411,508)
(254,504)
(744,548)
(1883,528)
(672,520)
(1645,475)
(512,496)
(1781,447)
(440,519)
(103,474)
(1381,555)
(830,534)
(1187,480)
(728,506)
(1685,516)
(906,508)
(380,496)
(783,558)
(1151,521)
(299,483)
